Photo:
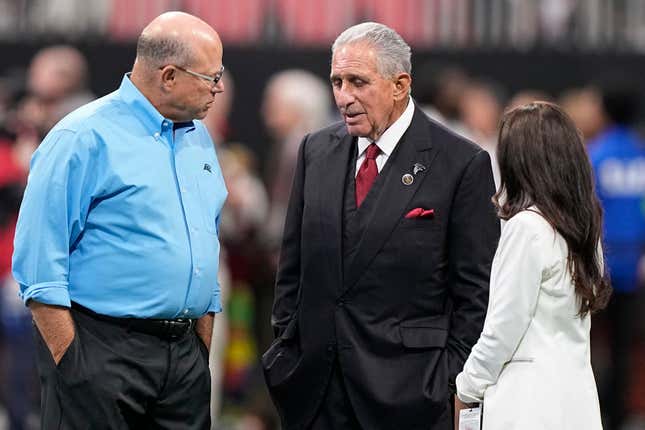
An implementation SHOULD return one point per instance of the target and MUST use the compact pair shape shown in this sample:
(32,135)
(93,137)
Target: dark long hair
(544,163)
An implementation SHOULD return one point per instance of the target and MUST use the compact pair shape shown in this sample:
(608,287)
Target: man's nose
(344,97)
(218,87)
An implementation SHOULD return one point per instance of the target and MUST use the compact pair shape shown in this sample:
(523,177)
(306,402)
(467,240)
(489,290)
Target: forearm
(204,329)
(55,325)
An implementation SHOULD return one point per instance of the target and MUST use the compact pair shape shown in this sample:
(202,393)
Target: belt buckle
(179,327)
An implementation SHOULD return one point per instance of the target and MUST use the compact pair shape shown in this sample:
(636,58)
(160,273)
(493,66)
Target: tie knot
(372,151)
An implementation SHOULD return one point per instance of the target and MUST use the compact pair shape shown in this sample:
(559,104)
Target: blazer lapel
(414,147)
(332,174)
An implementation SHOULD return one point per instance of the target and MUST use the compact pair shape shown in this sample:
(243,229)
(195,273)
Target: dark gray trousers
(115,378)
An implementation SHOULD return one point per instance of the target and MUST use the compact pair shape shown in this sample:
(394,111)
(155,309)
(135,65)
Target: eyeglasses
(212,79)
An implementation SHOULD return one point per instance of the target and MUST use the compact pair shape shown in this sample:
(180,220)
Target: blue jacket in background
(618,159)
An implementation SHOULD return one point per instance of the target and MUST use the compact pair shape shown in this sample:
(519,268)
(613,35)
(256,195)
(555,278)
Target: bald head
(178,65)
(175,38)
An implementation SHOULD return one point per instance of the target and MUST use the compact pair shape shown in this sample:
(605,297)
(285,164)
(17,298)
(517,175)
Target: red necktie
(366,173)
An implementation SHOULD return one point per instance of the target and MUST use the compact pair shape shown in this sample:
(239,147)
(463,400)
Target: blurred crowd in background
(586,24)
(294,101)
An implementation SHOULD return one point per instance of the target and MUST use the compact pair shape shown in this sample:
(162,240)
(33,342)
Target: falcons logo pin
(418,167)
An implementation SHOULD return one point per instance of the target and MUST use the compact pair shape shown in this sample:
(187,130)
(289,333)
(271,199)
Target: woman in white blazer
(531,366)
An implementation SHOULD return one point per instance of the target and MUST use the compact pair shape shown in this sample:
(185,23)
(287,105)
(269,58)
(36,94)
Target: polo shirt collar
(144,110)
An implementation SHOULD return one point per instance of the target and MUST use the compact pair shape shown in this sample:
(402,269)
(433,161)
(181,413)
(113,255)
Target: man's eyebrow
(349,77)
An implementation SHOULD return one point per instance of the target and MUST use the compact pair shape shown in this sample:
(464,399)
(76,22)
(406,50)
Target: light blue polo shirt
(121,213)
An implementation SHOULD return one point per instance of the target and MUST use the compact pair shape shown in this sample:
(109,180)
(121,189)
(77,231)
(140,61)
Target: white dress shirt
(388,140)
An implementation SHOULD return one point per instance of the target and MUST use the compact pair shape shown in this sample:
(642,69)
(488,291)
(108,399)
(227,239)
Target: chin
(357,130)
(200,115)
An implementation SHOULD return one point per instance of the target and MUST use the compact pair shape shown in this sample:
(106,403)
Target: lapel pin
(418,167)
(407,179)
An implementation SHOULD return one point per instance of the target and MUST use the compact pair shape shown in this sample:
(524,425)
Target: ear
(168,77)
(402,83)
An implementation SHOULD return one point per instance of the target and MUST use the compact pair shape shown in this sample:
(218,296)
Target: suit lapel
(414,147)
(333,172)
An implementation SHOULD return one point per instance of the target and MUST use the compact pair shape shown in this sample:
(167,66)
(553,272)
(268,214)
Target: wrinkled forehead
(354,56)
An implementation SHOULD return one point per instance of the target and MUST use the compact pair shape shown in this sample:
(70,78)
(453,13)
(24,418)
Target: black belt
(163,328)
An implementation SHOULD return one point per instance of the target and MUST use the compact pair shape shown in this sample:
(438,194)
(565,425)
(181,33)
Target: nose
(218,87)
(344,97)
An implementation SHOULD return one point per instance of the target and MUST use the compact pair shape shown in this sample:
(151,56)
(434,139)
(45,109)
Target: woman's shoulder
(530,222)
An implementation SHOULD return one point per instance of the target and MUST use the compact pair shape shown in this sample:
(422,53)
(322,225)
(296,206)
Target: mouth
(352,117)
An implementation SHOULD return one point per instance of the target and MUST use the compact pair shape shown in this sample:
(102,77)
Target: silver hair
(392,53)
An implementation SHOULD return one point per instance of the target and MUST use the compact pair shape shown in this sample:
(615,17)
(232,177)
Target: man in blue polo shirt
(116,248)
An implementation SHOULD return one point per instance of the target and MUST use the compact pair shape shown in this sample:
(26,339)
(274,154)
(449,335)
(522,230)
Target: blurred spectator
(247,206)
(439,89)
(248,306)
(618,157)
(584,106)
(481,109)
(295,102)
(243,217)
(57,84)
(527,96)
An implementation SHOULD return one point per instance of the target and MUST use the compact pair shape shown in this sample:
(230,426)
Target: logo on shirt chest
(207,167)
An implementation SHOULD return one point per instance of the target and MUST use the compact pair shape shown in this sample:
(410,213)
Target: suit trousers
(335,411)
(114,378)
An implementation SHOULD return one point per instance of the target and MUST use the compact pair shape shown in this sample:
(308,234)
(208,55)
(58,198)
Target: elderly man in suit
(382,286)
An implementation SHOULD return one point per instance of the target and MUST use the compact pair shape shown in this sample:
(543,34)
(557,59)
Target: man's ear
(402,83)
(168,77)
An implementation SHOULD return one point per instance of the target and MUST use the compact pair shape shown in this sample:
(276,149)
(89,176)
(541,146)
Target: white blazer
(531,366)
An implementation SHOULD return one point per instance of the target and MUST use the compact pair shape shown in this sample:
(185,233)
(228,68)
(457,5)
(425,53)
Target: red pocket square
(420,213)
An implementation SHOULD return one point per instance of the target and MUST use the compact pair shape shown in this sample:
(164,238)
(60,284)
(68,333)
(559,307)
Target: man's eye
(336,83)
(358,82)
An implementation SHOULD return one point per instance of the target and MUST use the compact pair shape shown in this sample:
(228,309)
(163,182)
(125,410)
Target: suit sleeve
(288,275)
(515,281)
(472,239)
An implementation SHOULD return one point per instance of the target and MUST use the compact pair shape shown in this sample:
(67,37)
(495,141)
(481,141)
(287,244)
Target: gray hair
(158,51)
(392,53)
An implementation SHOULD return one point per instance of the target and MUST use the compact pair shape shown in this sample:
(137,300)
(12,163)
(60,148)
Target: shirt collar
(388,140)
(143,109)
